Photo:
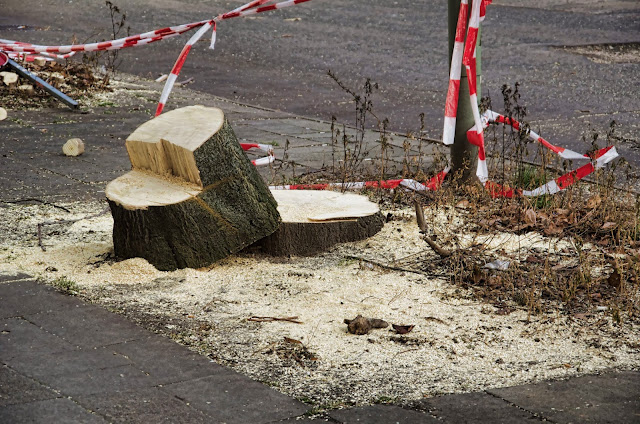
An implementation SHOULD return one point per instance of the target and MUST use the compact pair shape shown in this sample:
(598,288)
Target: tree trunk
(193,197)
(464,155)
(313,221)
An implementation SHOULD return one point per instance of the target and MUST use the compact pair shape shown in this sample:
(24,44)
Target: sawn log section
(193,197)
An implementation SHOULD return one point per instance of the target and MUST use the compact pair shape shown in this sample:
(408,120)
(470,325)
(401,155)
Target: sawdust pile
(458,344)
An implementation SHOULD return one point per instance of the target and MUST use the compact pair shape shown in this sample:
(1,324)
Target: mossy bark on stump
(193,197)
(314,221)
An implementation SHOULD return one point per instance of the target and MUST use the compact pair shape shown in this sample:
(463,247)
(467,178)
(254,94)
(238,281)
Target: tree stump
(313,221)
(192,197)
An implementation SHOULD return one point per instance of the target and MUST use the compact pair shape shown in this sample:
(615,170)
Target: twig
(405,351)
(185,82)
(270,319)
(33,199)
(381,265)
(422,224)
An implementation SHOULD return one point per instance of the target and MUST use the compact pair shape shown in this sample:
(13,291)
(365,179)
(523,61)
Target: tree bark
(330,218)
(193,196)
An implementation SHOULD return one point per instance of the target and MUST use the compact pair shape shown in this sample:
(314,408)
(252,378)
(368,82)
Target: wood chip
(73,147)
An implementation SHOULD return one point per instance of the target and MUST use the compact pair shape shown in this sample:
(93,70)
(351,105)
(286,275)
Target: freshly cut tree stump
(313,221)
(193,197)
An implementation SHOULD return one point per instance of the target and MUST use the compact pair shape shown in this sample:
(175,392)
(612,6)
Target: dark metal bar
(42,83)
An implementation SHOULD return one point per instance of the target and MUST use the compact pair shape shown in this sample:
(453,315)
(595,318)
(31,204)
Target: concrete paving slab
(475,408)
(88,326)
(142,406)
(167,362)
(15,389)
(608,398)
(20,337)
(28,181)
(286,127)
(305,420)
(247,133)
(43,366)
(93,381)
(381,414)
(81,168)
(48,411)
(236,399)
(19,298)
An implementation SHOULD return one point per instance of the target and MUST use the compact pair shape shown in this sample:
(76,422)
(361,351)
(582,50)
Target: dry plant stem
(33,199)
(270,319)
(381,265)
(444,253)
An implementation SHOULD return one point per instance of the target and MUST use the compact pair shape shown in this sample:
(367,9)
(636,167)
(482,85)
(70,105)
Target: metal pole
(464,156)
(53,91)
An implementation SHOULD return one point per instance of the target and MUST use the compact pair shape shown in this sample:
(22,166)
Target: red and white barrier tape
(28,57)
(265,148)
(475,135)
(432,185)
(469,62)
(61,52)
(451,107)
(597,160)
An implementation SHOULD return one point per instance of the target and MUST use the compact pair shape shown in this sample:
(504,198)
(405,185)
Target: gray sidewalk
(63,360)
(32,164)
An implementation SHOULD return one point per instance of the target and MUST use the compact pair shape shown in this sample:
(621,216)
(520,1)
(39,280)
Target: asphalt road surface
(280,59)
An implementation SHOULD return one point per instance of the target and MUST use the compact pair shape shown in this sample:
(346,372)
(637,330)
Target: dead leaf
(594,202)
(504,310)
(614,280)
(609,225)
(463,204)
(361,325)
(534,259)
(290,340)
(402,329)
(530,217)
(552,230)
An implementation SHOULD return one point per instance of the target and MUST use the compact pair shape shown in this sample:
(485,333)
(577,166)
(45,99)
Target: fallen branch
(270,319)
(33,199)
(422,224)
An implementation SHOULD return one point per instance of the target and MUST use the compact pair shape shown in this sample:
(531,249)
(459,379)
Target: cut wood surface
(313,221)
(167,145)
(73,147)
(193,197)
(9,77)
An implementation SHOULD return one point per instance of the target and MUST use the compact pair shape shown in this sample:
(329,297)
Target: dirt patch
(608,53)
(458,343)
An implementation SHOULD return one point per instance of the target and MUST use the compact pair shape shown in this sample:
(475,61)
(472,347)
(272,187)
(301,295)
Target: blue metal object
(4,60)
